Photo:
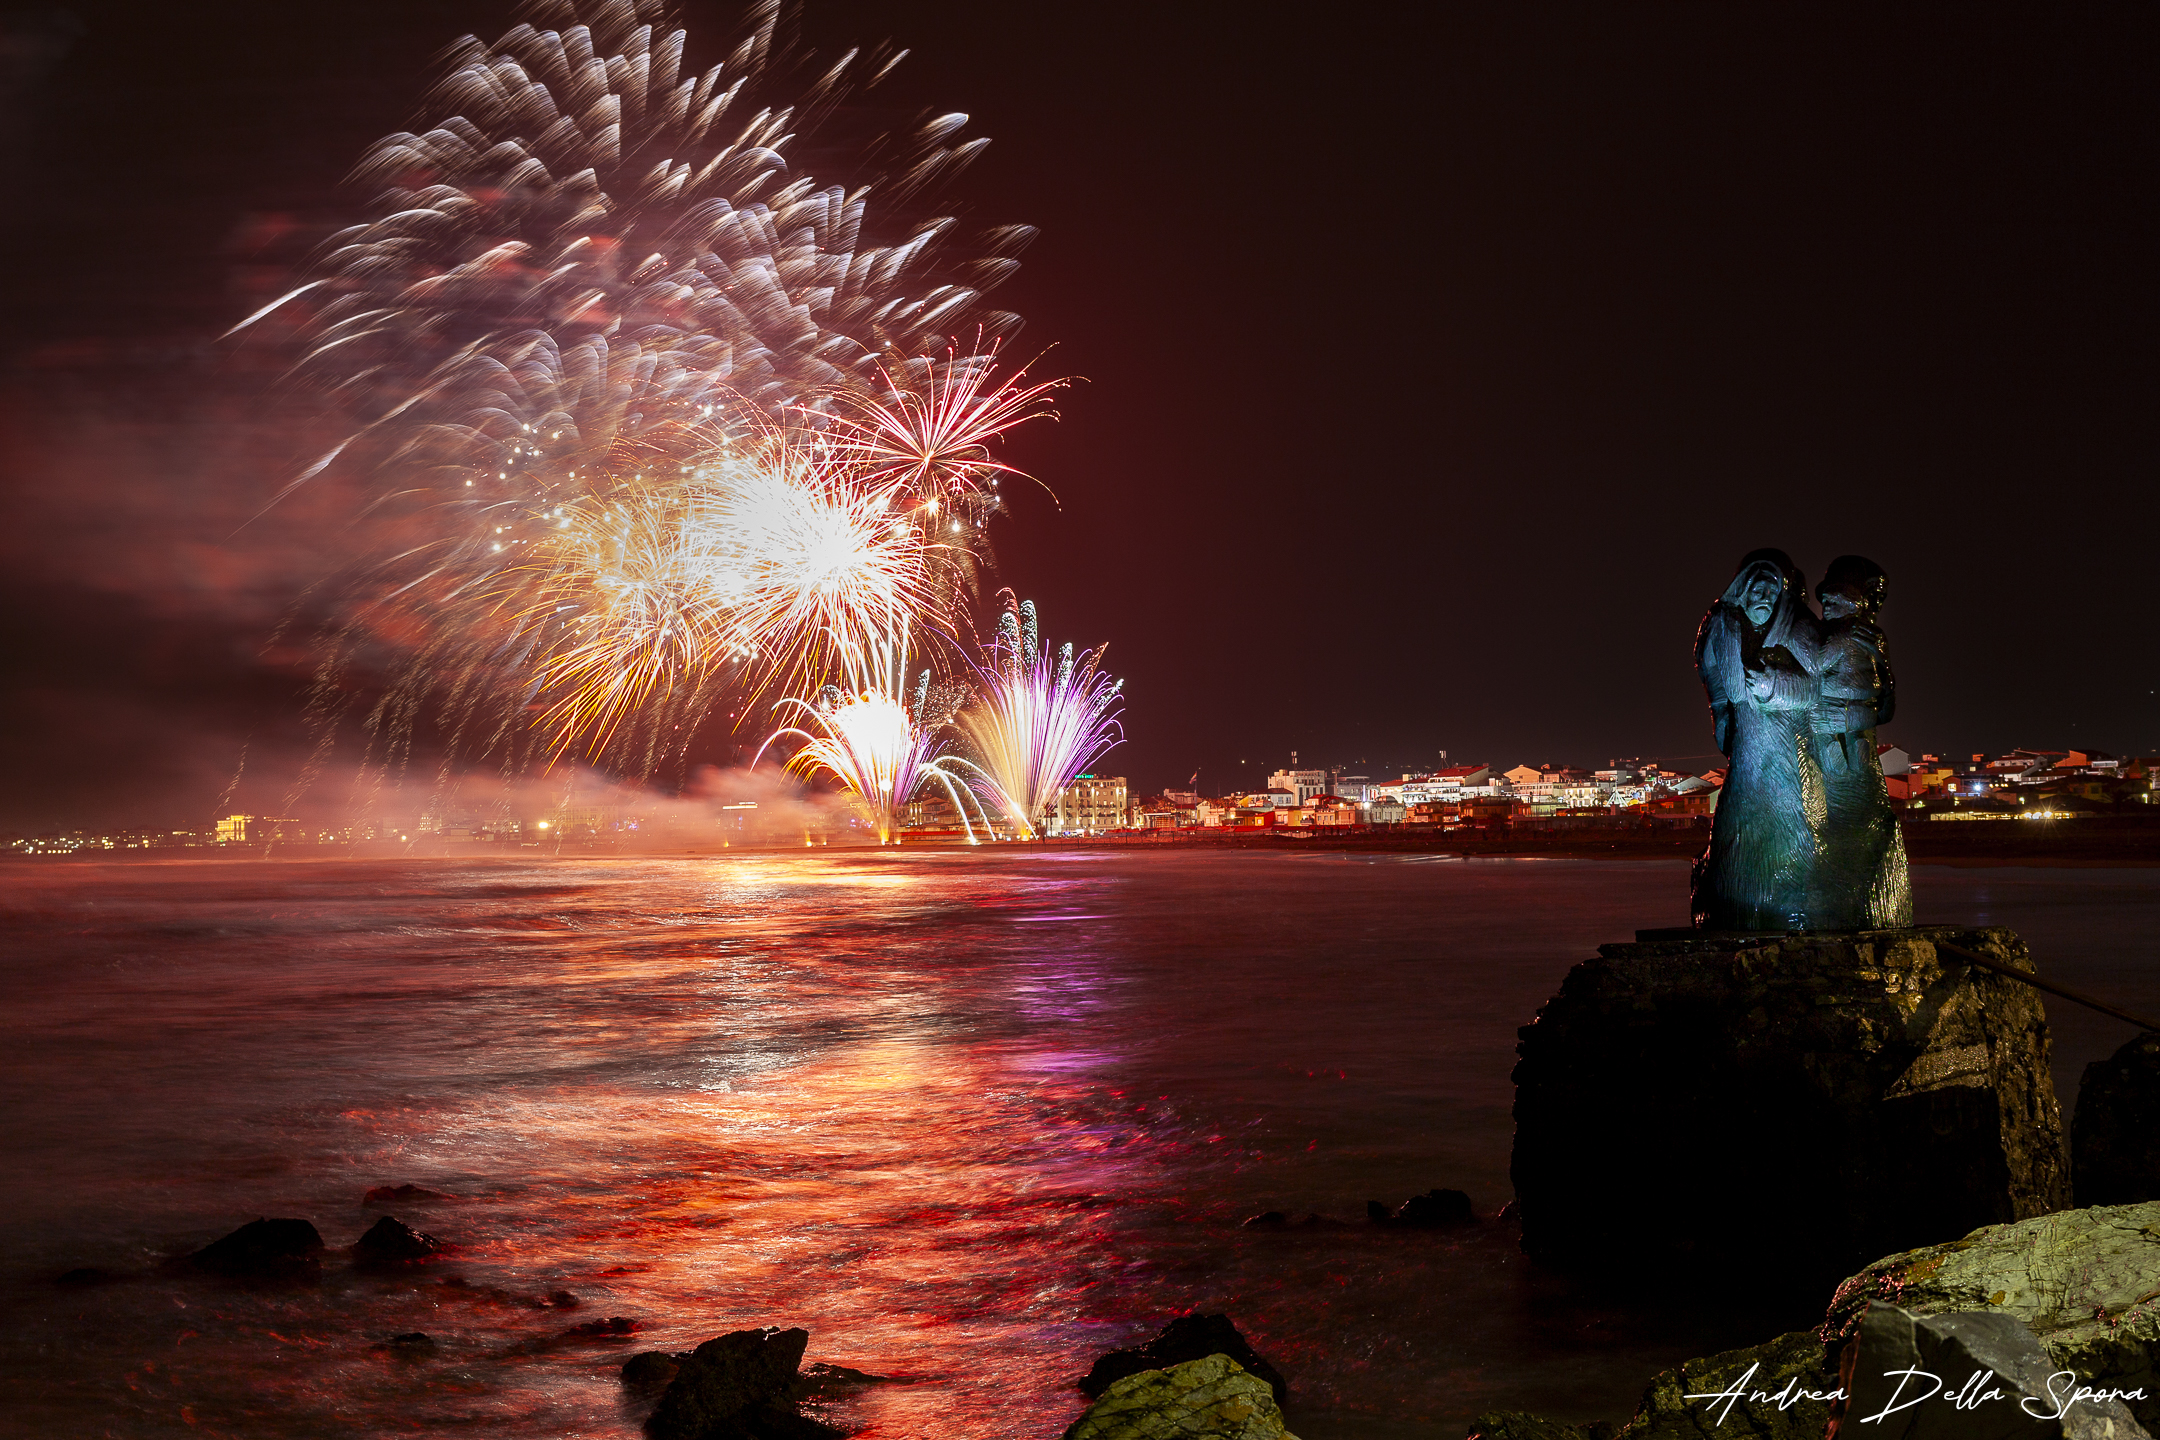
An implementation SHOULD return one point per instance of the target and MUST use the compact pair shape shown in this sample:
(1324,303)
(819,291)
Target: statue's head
(1853,586)
(1762,583)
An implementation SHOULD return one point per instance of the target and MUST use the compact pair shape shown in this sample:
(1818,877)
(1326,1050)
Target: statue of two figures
(1804,836)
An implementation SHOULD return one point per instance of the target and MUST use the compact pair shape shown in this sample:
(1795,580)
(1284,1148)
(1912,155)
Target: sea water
(971,1117)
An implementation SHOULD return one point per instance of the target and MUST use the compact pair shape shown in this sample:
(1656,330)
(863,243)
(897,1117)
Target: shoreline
(2130,846)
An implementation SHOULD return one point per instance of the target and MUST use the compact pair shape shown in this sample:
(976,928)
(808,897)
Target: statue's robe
(1863,881)
(1759,872)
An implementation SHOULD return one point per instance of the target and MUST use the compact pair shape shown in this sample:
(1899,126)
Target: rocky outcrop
(1522,1425)
(383,1195)
(1189,1337)
(1208,1397)
(736,1387)
(1779,1390)
(2087,1283)
(263,1248)
(1818,1098)
(1959,1376)
(390,1241)
(2113,1154)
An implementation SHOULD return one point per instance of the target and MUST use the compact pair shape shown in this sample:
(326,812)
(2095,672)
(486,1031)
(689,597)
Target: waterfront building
(1088,806)
(1453,784)
(1304,784)
(258,830)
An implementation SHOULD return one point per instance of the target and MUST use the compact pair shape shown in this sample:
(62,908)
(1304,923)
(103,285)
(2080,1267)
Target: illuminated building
(258,830)
(1089,806)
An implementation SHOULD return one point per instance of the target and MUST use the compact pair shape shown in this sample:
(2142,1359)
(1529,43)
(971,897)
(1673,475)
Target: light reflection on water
(970,1117)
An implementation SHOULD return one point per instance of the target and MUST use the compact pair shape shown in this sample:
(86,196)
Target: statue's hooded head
(1767,588)
(1853,585)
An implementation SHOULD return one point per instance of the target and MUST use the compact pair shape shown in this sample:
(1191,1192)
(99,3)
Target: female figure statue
(1757,654)
(1863,882)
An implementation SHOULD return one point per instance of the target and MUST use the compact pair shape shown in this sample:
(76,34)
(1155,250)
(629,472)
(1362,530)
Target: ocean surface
(971,1117)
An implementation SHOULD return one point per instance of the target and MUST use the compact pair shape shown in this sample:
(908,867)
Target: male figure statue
(1862,881)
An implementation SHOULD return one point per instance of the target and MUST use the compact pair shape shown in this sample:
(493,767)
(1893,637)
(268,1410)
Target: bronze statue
(1863,882)
(1756,653)
(1804,837)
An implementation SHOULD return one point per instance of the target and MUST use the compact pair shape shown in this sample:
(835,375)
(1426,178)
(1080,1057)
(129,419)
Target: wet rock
(2008,1395)
(1779,1390)
(390,1241)
(1522,1425)
(737,1387)
(413,1345)
(1189,1337)
(84,1277)
(559,1300)
(263,1248)
(1212,1396)
(2086,1282)
(614,1327)
(1873,1091)
(2113,1158)
(403,1195)
(649,1371)
(1434,1210)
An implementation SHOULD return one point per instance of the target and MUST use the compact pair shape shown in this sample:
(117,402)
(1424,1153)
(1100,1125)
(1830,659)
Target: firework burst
(881,739)
(1037,719)
(649,413)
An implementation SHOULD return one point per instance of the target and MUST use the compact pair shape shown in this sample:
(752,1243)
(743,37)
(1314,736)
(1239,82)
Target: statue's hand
(1761,684)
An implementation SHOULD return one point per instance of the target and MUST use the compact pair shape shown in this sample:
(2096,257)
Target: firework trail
(881,739)
(1038,719)
(644,405)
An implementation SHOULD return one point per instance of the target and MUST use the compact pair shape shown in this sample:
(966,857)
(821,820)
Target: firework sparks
(653,412)
(880,739)
(1038,719)
(927,439)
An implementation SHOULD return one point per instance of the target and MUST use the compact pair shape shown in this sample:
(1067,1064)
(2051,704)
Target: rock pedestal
(1794,1103)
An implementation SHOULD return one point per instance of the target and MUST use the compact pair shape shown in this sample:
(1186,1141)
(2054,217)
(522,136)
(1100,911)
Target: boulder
(1212,1396)
(2113,1159)
(649,1372)
(1189,1337)
(403,1195)
(1434,1210)
(2086,1282)
(1522,1425)
(1778,1390)
(390,1241)
(263,1248)
(1817,1097)
(1963,1376)
(736,1387)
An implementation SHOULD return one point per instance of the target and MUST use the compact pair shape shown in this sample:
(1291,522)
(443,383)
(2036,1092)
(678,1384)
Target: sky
(1433,370)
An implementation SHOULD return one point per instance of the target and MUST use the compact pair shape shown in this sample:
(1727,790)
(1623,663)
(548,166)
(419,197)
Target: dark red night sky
(1438,368)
